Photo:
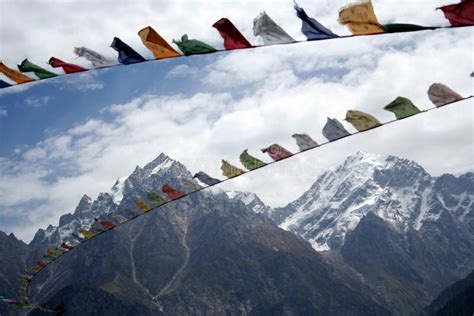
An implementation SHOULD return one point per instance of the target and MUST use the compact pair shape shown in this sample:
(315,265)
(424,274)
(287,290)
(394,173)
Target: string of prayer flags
(360,18)
(334,130)
(27,66)
(193,46)
(191,184)
(229,170)
(206,179)
(250,162)
(67,67)
(13,74)
(155,198)
(156,44)
(402,107)
(87,234)
(270,32)
(361,121)
(304,141)
(172,194)
(460,13)
(4,84)
(126,54)
(94,57)
(441,95)
(404,27)
(277,152)
(141,205)
(312,29)
(233,39)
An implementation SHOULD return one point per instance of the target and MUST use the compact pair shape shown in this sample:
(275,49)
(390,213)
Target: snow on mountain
(398,190)
(251,200)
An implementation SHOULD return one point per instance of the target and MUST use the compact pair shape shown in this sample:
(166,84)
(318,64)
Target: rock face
(455,300)
(13,257)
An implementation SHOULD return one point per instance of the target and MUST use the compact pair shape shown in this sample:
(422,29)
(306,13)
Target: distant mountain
(458,299)
(398,190)
(214,252)
(407,234)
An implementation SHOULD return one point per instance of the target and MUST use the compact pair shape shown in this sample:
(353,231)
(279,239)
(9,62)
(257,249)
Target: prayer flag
(277,152)
(68,68)
(250,162)
(334,130)
(312,29)
(441,95)
(13,74)
(126,54)
(360,18)
(156,44)
(361,121)
(402,107)
(304,142)
(233,39)
(27,66)
(269,31)
(192,46)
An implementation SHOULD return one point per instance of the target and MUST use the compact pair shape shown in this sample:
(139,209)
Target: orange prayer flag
(14,75)
(158,46)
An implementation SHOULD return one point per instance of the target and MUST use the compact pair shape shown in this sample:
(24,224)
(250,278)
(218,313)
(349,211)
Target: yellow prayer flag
(14,75)
(158,46)
(141,205)
(86,233)
(229,170)
(361,121)
(360,18)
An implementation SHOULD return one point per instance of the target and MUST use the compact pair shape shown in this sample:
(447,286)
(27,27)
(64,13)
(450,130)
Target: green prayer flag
(404,27)
(192,46)
(27,66)
(229,170)
(249,161)
(402,107)
(155,198)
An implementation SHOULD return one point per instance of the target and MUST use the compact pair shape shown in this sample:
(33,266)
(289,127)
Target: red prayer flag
(276,152)
(68,68)
(171,193)
(232,37)
(40,263)
(460,13)
(105,224)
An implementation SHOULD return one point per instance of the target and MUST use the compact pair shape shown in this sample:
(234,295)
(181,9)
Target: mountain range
(375,235)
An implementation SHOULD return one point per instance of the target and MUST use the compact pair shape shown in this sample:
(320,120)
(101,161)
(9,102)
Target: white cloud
(250,99)
(37,101)
(3,113)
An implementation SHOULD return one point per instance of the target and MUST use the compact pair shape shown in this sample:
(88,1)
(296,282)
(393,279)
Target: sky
(74,135)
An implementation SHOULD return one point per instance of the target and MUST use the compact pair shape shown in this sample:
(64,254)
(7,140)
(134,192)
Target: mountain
(407,234)
(213,252)
(14,253)
(397,190)
(457,299)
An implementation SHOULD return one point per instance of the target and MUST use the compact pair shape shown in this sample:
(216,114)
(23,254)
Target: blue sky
(74,135)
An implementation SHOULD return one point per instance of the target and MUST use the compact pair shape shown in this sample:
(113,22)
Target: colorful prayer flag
(27,66)
(13,74)
(191,184)
(402,107)
(334,130)
(105,224)
(229,170)
(441,95)
(41,264)
(68,68)
(155,198)
(126,54)
(87,234)
(361,121)
(312,29)
(277,152)
(117,217)
(66,246)
(142,205)
(193,46)
(304,142)
(156,44)
(4,84)
(250,162)
(94,57)
(460,13)
(171,193)
(54,252)
(269,31)
(233,39)
(360,18)
(206,179)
